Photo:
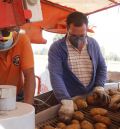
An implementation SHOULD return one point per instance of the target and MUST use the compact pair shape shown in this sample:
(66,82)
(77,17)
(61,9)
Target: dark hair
(77,18)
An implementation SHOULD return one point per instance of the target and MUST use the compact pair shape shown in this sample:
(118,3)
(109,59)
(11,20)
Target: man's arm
(101,72)
(27,67)
(56,73)
(29,85)
(101,75)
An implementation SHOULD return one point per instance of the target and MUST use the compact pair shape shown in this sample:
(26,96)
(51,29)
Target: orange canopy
(55,12)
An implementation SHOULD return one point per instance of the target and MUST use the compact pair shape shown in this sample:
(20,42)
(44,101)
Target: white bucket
(7,97)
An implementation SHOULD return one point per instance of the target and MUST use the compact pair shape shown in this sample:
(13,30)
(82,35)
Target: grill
(49,117)
(47,108)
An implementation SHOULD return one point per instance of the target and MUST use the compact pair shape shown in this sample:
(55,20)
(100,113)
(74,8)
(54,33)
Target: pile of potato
(99,117)
(114,103)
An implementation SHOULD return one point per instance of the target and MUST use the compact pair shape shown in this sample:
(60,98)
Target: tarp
(87,6)
(55,13)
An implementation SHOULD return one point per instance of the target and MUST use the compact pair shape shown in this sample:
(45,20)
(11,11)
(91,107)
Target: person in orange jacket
(17,63)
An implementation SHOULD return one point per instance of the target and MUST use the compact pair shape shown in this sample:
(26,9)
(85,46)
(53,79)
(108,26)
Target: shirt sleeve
(56,73)
(27,59)
(101,72)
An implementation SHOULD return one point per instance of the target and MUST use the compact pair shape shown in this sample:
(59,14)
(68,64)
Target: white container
(7,97)
(23,117)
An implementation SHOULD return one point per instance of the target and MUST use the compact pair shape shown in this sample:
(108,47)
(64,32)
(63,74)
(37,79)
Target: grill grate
(51,122)
(40,106)
(114,116)
(44,101)
(48,100)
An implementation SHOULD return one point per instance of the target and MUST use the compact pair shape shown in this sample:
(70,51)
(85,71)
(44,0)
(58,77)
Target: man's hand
(115,102)
(66,111)
(102,95)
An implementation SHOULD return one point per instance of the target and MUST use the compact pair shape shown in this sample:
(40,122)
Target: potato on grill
(48,127)
(73,126)
(86,125)
(78,115)
(81,103)
(98,111)
(75,121)
(100,126)
(91,100)
(102,119)
(61,125)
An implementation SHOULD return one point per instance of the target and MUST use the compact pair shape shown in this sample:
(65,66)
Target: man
(16,63)
(76,64)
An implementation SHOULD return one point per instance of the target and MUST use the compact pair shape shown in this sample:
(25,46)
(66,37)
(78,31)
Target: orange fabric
(20,57)
(32,30)
(54,20)
(54,17)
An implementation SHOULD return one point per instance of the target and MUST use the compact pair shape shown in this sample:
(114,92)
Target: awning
(55,13)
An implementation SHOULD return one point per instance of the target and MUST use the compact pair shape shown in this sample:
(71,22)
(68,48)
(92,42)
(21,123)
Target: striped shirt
(80,63)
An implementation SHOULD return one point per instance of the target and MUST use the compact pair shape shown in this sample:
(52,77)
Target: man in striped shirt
(76,64)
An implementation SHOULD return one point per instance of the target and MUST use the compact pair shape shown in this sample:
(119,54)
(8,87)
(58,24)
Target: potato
(73,126)
(75,122)
(102,119)
(100,126)
(98,111)
(81,103)
(90,100)
(78,115)
(76,98)
(48,127)
(61,125)
(86,125)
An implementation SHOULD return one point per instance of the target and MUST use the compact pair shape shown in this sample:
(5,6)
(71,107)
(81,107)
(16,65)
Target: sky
(49,37)
(107,30)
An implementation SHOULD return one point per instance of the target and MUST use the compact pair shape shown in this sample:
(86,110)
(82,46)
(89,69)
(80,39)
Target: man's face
(77,30)
(77,35)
